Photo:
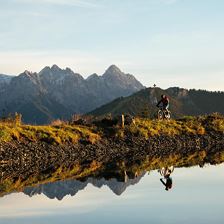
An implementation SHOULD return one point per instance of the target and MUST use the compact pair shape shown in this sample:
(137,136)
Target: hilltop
(182,102)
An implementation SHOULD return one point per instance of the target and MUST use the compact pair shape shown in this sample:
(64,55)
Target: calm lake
(196,196)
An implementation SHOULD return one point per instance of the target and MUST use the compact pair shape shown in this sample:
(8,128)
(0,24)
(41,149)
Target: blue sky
(167,42)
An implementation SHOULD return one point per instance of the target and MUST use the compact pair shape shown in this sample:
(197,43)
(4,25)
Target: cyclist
(164,103)
(167,183)
(166,172)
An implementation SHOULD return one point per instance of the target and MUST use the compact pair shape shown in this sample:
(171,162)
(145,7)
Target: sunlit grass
(63,133)
(50,134)
(188,125)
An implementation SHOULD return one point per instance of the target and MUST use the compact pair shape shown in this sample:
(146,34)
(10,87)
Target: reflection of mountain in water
(60,189)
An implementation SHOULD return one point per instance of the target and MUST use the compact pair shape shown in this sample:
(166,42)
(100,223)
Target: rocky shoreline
(23,159)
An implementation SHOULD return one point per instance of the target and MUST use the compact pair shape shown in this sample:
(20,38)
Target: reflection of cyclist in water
(167,180)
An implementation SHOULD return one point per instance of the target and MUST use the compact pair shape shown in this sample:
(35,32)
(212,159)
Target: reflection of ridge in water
(60,189)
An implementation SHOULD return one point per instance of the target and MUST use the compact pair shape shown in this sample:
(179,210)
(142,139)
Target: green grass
(188,125)
(63,133)
(50,134)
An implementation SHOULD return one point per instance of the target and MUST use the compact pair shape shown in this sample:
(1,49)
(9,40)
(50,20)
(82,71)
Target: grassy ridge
(63,133)
(60,134)
(182,102)
(187,125)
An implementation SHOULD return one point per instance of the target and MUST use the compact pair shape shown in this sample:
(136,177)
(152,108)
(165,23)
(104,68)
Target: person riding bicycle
(167,180)
(167,183)
(164,103)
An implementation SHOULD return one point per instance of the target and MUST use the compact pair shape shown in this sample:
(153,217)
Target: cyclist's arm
(161,179)
(158,103)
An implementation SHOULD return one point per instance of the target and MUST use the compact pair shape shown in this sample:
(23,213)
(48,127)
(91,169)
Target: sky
(166,42)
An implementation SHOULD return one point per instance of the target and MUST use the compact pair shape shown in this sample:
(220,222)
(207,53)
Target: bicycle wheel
(162,171)
(160,114)
(167,115)
(171,168)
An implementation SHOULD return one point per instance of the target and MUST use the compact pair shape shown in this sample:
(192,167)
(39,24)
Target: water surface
(197,196)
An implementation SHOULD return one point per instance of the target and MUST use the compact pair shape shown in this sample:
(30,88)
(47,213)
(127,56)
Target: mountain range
(182,102)
(60,189)
(55,93)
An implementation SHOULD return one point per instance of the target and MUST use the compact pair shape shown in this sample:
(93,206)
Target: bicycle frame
(163,114)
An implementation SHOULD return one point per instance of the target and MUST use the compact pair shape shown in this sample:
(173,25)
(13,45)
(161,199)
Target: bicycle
(163,114)
(166,171)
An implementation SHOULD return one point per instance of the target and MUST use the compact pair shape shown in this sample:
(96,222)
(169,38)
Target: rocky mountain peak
(27,73)
(45,69)
(55,68)
(68,70)
(93,76)
(56,72)
(53,73)
(112,70)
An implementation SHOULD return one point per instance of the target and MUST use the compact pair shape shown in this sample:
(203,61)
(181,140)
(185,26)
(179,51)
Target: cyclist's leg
(166,107)
(164,110)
